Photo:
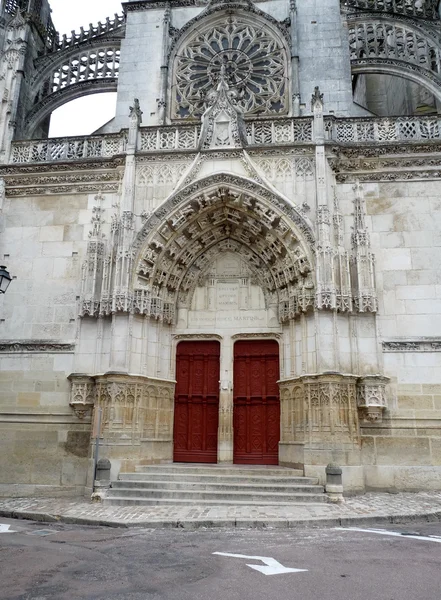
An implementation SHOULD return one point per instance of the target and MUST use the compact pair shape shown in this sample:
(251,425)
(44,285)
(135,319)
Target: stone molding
(39,417)
(257,336)
(197,336)
(422,345)
(37,346)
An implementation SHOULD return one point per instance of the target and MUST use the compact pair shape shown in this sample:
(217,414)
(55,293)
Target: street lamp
(5,280)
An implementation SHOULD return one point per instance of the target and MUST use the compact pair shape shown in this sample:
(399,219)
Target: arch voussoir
(223,214)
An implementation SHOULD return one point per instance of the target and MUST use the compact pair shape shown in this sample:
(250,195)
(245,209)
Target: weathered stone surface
(308,226)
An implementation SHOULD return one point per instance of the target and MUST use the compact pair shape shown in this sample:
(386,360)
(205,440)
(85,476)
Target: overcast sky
(84,115)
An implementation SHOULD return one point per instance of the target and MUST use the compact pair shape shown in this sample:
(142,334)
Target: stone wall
(403,452)
(44,445)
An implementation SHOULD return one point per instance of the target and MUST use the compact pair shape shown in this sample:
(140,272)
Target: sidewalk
(370,509)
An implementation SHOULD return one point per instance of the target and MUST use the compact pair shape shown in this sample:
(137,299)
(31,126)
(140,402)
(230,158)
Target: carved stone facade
(245,196)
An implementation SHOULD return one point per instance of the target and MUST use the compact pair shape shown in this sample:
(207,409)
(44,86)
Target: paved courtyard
(371,507)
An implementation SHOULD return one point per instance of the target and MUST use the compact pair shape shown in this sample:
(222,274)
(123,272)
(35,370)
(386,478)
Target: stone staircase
(183,484)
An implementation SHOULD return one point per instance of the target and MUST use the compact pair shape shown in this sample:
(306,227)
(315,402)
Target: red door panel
(196,402)
(256,416)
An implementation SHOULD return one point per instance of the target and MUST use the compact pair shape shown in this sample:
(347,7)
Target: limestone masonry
(244,264)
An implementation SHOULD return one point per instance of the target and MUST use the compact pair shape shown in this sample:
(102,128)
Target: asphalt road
(68,562)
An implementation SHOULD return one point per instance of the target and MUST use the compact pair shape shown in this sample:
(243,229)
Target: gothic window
(254,59)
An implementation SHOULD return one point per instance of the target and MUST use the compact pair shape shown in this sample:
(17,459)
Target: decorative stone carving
(135,409)
(237,44)
(396,39)
(286,168)
(82,395)
(427,9)
(92,271)
(422,345)
(362,259)
(222,121)
(40,346)
(319,409)
(371,397)
(257,336)
(56,72)
(180,250)
(342,273)
(197,336)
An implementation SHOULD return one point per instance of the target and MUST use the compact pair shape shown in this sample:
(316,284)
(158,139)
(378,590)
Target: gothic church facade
(243,266)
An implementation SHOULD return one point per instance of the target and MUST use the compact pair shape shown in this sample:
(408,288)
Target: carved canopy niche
(223,214)
(248,47)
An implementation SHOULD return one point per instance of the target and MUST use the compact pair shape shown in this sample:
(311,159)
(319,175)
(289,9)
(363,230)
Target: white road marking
(424,538)
(5,529)
(273,567)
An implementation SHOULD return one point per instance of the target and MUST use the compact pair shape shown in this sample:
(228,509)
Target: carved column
(371,397)
(362,260)
(342,271)
(12,69)
(93,265)
(325,296)
(225,437)
(122,297)
(295,79)
(162,100)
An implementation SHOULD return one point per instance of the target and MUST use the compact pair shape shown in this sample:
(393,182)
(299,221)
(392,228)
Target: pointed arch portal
(224,214)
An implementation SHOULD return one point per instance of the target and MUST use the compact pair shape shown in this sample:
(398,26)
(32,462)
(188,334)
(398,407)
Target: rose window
(254,63)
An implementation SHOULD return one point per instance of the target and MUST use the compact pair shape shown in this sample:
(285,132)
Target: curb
(430,517)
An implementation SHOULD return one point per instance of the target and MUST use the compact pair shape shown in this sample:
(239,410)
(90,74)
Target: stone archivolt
(176,255)
(172,252)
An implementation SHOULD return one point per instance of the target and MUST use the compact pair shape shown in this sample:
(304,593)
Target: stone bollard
(103,471)
(334,483)
(102,480)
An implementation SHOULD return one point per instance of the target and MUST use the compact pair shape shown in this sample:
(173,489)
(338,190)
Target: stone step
(216,478)
(220,485)
(200,496)
(203,469)
(137,501)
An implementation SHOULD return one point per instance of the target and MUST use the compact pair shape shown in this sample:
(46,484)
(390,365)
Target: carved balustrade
(425,9)
(260,133)
(281,131)
(387,129)
(71,148)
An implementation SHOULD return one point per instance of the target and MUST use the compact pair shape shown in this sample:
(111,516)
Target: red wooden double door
(256,406)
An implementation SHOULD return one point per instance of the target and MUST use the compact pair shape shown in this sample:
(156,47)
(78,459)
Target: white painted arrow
(424,538)
(5,529)
(273,567)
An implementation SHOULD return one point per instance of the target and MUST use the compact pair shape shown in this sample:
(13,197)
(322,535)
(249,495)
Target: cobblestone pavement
(372,507)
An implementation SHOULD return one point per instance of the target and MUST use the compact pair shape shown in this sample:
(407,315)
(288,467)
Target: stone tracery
(254,61)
